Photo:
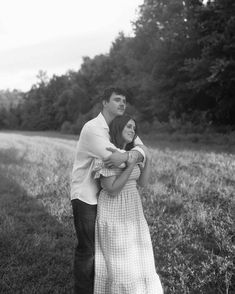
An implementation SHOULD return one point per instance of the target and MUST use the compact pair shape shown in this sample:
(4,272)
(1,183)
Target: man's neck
(108,118)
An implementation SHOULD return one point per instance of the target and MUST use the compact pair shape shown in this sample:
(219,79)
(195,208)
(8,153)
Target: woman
(124,261)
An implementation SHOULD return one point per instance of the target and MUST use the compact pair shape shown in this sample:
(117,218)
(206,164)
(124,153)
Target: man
(94,142)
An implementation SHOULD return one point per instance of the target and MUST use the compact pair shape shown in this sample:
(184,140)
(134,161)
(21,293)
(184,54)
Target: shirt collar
(102,121)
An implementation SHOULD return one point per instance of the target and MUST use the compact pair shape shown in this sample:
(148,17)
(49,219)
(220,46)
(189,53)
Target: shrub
(82,119)
(66,128)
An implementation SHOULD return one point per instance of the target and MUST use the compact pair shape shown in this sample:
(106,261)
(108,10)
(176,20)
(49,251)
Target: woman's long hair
(115,130)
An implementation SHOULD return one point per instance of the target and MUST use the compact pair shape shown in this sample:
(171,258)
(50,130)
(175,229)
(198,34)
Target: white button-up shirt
(92,143)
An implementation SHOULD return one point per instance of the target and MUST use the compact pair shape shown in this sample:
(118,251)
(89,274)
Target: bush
(66,128)
(194,122)
(82,119)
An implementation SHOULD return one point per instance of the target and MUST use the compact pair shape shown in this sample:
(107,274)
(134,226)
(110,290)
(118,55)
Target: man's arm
(136,154)
(141,153)
(97,143)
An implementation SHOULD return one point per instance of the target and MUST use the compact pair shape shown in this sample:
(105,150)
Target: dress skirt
(124,260)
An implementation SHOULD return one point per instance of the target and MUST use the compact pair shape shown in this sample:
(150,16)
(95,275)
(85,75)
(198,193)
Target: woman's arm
(145,172)
(114,184)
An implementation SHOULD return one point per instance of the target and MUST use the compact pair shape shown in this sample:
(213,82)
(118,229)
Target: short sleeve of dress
(100,170)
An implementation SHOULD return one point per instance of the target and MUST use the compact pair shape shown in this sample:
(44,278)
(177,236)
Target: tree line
(178,67)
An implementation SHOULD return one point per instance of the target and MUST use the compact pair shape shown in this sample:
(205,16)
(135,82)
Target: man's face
(116,105)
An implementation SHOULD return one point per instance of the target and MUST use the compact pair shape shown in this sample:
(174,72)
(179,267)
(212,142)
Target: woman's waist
(128,188)
(120,206)
(128,195)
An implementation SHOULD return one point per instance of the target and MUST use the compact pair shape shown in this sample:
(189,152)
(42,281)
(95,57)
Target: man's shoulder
(90,124)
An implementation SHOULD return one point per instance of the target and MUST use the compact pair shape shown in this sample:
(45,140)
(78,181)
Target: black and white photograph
(117,147)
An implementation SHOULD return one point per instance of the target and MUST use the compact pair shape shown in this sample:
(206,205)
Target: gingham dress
(124,261)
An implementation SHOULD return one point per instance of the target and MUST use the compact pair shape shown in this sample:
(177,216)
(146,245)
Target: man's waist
(86,194)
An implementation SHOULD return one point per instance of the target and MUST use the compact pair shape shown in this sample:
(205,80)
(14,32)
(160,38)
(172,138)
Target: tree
(212,74)
(43,78)
(164,38)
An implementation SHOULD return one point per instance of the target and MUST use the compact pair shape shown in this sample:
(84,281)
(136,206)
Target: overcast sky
(54,35)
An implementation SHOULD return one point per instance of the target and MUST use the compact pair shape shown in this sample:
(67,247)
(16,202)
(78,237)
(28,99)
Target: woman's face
(128,132)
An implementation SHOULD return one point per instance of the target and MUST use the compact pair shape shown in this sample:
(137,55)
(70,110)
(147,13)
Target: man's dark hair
(109,91)
(115,130)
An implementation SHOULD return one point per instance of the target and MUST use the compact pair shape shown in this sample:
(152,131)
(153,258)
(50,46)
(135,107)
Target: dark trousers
(84,221)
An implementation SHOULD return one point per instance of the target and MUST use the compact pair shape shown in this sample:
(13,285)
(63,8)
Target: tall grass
(188,205)
(36,232)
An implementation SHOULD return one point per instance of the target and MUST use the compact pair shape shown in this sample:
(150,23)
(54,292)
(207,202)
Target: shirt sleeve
(140,150)
(138,141)
(137,148)
(96,141)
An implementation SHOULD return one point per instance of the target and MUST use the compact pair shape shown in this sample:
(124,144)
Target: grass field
(189,205)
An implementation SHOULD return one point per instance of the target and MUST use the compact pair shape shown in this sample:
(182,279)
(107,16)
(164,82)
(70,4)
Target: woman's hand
(132,158)
(131,162)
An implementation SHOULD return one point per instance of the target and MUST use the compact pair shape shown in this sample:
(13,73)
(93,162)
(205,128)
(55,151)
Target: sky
(54,35)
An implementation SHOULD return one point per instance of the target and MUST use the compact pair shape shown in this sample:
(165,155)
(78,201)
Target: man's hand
(116,158)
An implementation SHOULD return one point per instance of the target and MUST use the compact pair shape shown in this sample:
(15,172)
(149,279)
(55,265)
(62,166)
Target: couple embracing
(114,254)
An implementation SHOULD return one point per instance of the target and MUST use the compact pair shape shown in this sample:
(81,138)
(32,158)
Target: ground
(188,205)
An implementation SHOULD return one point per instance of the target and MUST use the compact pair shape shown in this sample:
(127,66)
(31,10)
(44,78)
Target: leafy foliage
(180,62)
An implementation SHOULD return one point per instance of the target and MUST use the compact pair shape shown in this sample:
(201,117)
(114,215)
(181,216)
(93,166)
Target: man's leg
(84,221)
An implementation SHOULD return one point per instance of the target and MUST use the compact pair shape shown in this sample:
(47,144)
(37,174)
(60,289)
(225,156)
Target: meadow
(189,206)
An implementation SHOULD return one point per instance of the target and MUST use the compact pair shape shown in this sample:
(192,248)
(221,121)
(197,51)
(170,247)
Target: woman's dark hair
(115,130)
